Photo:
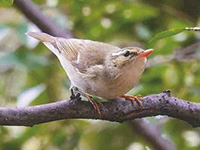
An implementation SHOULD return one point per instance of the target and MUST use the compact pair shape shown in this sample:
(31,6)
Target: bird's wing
(81,53)
(84,53)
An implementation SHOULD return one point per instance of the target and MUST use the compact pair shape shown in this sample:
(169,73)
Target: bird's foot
(133,99)
(95,104)
(75,95)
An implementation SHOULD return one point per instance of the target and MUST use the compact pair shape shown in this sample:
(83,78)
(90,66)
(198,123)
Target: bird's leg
(76,92)
(133,99)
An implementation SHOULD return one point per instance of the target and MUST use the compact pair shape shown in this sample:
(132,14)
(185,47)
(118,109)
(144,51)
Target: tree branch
(118,111)
(32,12)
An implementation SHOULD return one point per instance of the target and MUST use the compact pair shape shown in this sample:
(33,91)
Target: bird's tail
(47,39)
(41,36)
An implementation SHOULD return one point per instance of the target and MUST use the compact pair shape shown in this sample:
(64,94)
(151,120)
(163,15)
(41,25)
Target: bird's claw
(95,104)
(133,99)
(75,96)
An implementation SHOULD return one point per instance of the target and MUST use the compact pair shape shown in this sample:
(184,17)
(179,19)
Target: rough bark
(117,111)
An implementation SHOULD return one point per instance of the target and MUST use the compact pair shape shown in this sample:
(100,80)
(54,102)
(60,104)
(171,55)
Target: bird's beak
(146,53)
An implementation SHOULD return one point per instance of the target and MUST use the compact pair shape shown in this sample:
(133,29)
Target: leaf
(166,34)
(171,32)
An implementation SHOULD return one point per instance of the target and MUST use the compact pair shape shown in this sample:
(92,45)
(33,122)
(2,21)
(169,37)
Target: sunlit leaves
(98,21)
(137,12)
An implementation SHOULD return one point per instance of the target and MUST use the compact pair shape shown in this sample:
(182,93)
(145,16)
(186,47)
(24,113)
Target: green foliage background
(31,75)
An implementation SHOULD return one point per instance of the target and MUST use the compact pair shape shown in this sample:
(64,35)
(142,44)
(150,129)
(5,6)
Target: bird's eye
(127,53)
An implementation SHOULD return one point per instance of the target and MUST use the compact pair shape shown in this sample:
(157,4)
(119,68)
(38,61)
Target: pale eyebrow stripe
(117,54)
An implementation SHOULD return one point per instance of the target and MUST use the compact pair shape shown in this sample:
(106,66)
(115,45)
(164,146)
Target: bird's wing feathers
(68,48)
(81,53)
(84,53)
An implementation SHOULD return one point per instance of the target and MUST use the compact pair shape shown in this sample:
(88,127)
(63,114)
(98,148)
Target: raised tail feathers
(41,36)
(47,39)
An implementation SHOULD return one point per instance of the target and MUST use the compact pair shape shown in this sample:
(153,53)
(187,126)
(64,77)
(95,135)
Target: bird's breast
(112,88)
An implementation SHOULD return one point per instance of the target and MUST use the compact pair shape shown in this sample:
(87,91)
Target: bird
(97,68)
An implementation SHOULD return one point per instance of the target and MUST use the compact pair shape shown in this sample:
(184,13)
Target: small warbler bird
(96,68)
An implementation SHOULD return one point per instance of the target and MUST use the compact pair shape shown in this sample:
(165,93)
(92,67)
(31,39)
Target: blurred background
(31,75)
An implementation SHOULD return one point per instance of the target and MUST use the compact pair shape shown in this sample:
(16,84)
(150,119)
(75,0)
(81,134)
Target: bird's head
(129,55)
